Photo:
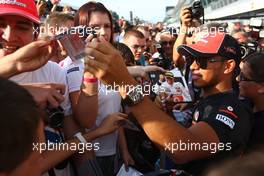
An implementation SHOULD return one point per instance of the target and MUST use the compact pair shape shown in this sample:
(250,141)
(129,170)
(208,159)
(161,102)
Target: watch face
(135,95)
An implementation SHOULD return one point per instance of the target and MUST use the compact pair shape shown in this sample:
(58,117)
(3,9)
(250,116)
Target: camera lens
(197,10)
(55,117)
(243,51)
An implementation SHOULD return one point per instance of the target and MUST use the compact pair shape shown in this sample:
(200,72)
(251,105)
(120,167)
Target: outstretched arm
(160,128)
(27,58)
(50,158)
(181,39)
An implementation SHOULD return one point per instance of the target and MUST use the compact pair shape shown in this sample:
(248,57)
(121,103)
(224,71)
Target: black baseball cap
(213,44)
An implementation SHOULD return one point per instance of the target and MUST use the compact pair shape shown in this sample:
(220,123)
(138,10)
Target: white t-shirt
(109,102)
(66,62)
(49,73)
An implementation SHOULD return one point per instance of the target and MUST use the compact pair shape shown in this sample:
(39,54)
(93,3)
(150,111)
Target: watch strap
(80,137)
(130,98)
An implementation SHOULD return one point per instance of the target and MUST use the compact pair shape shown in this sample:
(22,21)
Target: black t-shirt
(232,122)
(257,134)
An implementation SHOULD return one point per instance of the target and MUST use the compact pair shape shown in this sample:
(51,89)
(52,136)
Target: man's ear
(230,66)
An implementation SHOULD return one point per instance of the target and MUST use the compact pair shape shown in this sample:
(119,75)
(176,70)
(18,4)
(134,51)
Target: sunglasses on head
(203,62)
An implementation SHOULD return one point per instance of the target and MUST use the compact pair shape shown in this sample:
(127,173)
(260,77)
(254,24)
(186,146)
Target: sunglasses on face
(202,62)
(242,77)
(165,43)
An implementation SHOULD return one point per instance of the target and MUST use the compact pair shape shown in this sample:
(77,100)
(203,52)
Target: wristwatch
(80,137)
(133,96)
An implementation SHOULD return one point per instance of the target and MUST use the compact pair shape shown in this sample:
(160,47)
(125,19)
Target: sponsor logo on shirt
(230,111)
(230,108)
(73,70)
(13,2)
(226,120)
(196,115)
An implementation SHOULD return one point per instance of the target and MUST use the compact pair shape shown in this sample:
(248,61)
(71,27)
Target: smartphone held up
(73,40)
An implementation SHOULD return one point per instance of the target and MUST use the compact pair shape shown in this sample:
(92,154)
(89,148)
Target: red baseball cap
(24,8)
(213,44)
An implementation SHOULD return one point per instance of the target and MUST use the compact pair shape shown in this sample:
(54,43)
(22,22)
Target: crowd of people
(97,106)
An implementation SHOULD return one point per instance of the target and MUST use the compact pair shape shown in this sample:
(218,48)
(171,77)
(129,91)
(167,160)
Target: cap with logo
(169,74)
(24,8)
(213,44)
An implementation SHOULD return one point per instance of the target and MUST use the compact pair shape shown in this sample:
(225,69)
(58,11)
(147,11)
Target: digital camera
(55,117)
(161,56)
(197,10)
(249,48)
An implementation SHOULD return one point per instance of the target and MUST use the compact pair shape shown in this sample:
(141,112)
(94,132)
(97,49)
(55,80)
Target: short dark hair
(144,28)
(250,164)
(20,119)
(125,52)
(256,64)
(135,33)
